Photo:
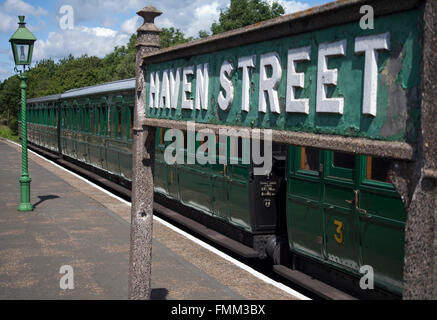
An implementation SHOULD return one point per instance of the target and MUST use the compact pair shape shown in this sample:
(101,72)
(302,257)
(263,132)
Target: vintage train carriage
(43,117)
(343,210)
(96,126)
(229,192)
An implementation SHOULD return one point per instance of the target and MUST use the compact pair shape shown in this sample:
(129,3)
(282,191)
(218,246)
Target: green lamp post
(22,47)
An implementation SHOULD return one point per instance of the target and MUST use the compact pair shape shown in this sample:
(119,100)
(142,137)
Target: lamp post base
(25,204)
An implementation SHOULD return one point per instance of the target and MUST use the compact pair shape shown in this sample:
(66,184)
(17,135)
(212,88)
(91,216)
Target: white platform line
(188,236)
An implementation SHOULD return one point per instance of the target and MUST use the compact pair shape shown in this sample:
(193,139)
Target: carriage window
(84,115)
(99,118)
(161,135)
(91,123)
(309,159)
(343,160)
(377,169)
(131,121)
(118,129)
(77,122)
(104,123)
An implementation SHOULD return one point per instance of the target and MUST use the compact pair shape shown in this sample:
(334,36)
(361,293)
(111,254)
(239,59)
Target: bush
(5,132)
(13,125)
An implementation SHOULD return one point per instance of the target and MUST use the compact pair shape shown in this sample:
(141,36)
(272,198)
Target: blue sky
(100,25)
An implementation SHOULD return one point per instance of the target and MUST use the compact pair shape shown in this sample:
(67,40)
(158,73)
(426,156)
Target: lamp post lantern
(22,42)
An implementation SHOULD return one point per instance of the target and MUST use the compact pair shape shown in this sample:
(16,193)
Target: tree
(242,13)
(10,97)
(203,34)
(171,37)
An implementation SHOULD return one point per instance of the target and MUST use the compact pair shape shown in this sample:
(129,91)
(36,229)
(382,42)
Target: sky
(97,26)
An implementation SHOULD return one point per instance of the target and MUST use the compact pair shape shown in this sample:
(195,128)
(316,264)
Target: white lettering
(202,83)
(154,90)
(245,63)
(369,45)
(187,103)
(296,80)
(164,101)
(327,77)
(175,82)
(269,85)
(226,83)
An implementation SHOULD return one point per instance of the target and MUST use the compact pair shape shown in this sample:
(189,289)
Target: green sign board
(341,80)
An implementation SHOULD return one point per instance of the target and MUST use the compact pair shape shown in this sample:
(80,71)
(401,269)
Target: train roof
(53,97)
(120,85)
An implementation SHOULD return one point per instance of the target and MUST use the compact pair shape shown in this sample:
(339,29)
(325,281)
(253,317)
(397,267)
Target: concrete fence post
(140,256)
(420,269)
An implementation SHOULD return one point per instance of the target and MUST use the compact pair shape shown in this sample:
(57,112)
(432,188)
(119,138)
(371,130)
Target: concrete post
(140,257)
(420,269)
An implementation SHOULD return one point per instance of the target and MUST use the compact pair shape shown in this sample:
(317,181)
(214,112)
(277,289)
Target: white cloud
(203,18)
(6,70)
(131,25)
(78,41)
(291,6)
(7,23)
(104,10)
(190,16)
(21,7)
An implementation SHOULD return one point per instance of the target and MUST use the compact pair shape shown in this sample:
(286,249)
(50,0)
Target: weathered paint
(398,80)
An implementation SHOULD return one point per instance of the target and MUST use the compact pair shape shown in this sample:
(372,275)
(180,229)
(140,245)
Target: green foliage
(7,133)
(203,34)
(13,125)
(171,37)
(49,77)
(120,64)
(242,13)
(10,97)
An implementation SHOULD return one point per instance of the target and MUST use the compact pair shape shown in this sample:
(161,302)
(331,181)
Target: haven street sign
(341,80)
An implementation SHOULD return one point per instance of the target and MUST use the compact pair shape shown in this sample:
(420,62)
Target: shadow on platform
(159,294)
(45,198)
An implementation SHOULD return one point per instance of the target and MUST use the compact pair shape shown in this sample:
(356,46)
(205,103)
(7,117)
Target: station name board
(341,80)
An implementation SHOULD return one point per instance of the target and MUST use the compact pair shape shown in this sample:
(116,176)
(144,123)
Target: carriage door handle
(355,202)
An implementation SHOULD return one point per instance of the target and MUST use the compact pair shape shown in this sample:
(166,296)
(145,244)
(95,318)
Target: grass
(7,133)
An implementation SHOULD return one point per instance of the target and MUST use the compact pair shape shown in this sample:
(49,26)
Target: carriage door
(305,202)
(339,193)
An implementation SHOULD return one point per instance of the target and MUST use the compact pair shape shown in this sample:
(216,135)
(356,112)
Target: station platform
(77,224)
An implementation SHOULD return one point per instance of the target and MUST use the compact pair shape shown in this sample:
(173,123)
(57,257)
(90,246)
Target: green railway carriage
(344,211)
(336,210)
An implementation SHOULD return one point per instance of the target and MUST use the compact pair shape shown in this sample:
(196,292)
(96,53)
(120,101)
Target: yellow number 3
(339,230)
